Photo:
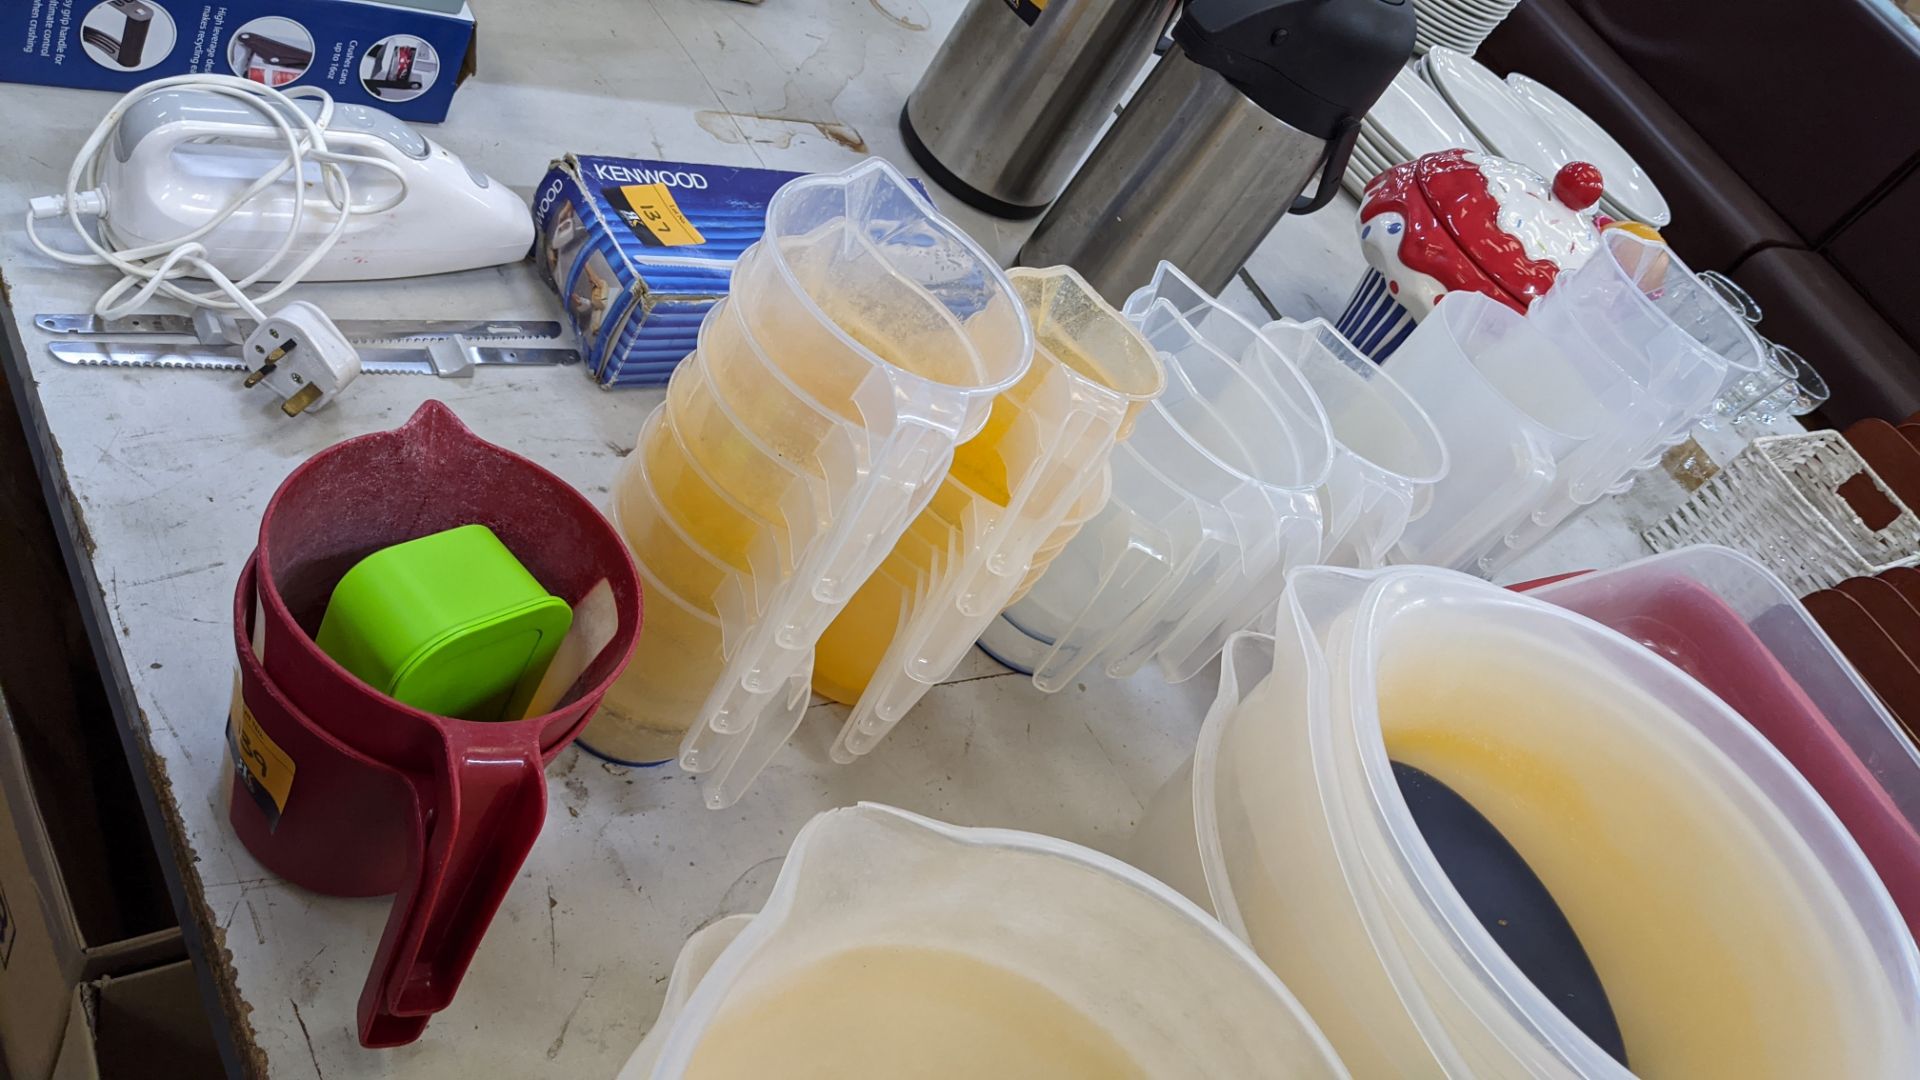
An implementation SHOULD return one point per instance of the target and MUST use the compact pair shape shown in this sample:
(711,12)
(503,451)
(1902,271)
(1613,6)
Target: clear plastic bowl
(1167,985)
(1733,921)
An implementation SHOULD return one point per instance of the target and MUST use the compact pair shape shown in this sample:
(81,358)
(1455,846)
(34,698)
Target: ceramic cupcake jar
(1459,220)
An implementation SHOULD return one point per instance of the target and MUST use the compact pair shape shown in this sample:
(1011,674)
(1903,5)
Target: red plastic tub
(1722,618)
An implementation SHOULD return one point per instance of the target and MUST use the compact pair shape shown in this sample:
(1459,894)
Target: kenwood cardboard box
(58,927)
(404,56)
(639,250)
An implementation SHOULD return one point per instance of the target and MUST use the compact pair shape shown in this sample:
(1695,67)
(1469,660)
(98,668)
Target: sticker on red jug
(259,765)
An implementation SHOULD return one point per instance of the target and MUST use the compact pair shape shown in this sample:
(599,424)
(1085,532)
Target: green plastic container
(450,624)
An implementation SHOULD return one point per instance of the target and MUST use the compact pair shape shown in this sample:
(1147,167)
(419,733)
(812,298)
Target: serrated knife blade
(374,360)
(356,330)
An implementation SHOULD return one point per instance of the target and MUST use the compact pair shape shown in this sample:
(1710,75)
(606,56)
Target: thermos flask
(1018,92)
(1255,100)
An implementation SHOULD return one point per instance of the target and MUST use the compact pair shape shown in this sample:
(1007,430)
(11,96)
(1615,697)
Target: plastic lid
(450,624)
(1311,63)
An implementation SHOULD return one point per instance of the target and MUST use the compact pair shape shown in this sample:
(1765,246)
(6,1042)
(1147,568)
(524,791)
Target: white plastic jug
(1213,501)
(895,946)
(1511,406)
(1734,924)
(1387,454)
(1012,490)
(864,337)
(1655,345)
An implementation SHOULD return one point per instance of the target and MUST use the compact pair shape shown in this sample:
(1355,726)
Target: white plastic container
(1725,619)
(1011,491)
(1655,345)
(1387,454)
(864,337)
(1213,501)
(1049,924)
(1510,406)
(1734,923)
(1110,578)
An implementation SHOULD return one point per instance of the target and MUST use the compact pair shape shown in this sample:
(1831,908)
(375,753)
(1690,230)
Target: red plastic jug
(343,790)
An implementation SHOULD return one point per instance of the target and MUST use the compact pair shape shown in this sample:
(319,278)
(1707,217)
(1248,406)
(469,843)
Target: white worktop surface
(168,473)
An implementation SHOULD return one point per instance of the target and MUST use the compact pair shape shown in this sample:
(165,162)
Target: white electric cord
(155,268)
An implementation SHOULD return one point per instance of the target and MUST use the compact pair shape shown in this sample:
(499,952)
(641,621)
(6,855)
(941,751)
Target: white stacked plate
(1457,24)
(1409,120)
(1630,193)
(1495,113)
(1522,120)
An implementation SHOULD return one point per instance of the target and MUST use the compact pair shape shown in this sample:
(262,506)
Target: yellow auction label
(654,209)
(1028,10)
(258,762)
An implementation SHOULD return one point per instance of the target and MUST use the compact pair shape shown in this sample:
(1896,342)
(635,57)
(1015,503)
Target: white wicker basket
(1778,500)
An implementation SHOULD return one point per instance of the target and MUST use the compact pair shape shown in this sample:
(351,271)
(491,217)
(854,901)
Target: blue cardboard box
(404,56)
(639,250)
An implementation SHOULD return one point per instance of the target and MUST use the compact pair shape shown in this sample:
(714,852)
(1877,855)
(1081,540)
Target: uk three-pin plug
(300,355)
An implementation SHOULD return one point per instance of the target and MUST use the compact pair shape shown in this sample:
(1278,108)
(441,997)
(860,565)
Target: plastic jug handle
(898,485)
(1008,547)
(477,817)
(728,762)
(1134,585)
(1386,518)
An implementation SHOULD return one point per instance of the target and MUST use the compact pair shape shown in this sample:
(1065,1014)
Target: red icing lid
(1427,246)
(1448,196)
(1578,184)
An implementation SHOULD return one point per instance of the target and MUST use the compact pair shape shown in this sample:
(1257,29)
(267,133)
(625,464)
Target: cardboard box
(150,1025)
(404,56)
(639,250)
(49,943)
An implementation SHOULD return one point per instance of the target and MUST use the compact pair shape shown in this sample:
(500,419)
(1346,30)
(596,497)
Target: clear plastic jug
(1011,491)
(1733,923)
(1387,454)
(864,337)
(1656,345)
(894,945)
(1510,406)
(1213,500)
(1105,583)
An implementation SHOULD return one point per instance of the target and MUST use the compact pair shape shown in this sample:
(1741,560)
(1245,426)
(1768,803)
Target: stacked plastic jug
(1017,492)
(864,338)
(1545,413)
(1387,454)
(1235,475)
